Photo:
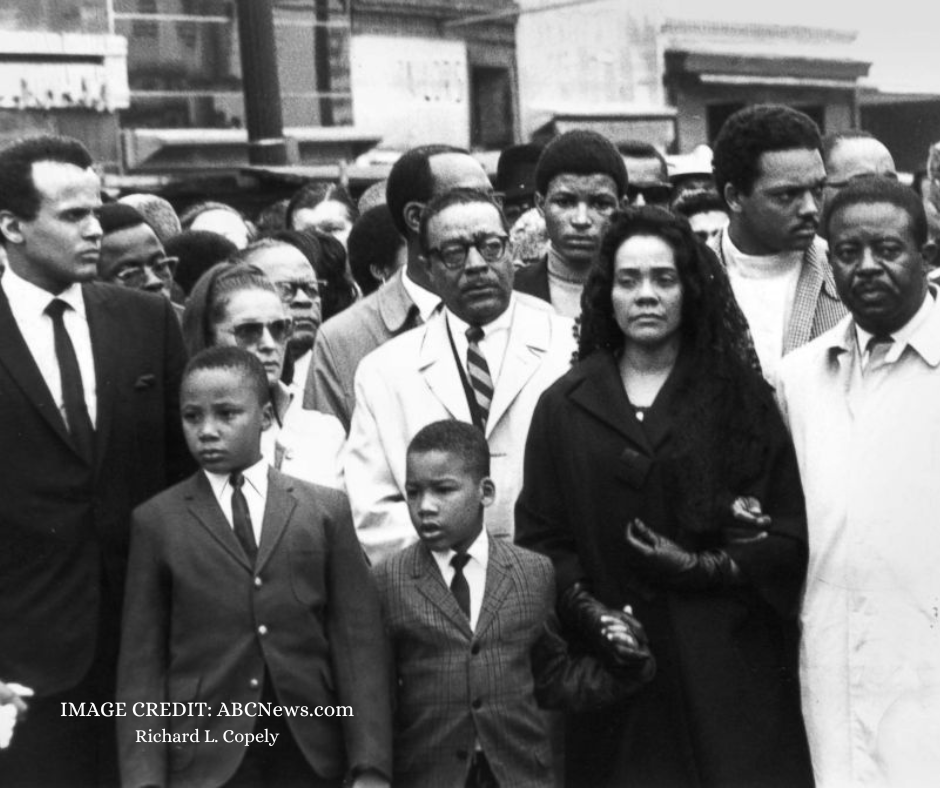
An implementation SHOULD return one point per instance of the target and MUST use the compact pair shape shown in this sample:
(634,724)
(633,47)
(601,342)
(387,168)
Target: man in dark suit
(89,375)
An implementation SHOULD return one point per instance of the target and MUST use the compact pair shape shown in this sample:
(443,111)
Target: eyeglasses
(453,254)
(250,333)
(136,275)
(654,193)
(287,289)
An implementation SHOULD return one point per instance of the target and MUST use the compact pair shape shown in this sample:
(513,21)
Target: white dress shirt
(28,304)
(255,490)
(494,342)
(425,300)
(474,571)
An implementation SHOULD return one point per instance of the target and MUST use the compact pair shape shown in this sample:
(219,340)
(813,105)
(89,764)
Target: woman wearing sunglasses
(238,305)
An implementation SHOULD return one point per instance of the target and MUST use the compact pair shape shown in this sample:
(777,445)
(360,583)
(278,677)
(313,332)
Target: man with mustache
(769,170)
(863,406)
(485,358)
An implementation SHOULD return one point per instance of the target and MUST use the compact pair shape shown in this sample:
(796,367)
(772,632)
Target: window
(184,63)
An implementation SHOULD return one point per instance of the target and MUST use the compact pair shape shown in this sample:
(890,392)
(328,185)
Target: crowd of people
(591,476)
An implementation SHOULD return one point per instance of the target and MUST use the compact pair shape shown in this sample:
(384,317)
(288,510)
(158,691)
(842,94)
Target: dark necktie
(458,584)
(73,393)
(241,518)
(479,371)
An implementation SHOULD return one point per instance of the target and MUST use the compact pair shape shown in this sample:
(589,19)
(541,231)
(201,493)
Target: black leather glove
(585,615)
(671,565)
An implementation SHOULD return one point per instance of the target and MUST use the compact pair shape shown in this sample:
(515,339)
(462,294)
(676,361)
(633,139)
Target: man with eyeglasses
(407,299)
(769,170)
(296,283)
(485,359)
(851,156)
(580,181)
(131,253)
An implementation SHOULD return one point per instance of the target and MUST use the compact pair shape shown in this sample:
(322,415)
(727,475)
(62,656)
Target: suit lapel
(600,392)
(529,337)
(430,584)
(437,364)
(278,509)
(19,362)
(203,505)
(497,587)
(106,335)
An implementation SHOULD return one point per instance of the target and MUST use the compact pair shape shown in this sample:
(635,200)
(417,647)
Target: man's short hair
(580,152)
(157,212)
(18,193)
(831,141)
(457,438)
(410,180)
(234,359)
(115,216)
(643,150)
(753,131)
(460,196)
(373,243)
(871,191)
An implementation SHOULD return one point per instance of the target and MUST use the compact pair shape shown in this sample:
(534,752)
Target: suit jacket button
(262,630)
(258,582)
(254,683)
(475,648)
(477,703)
(462,755)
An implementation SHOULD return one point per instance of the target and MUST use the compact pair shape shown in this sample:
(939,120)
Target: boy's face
(445,499)
(223,419)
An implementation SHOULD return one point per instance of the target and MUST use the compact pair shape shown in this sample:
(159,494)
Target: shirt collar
(479,551)
(256,477)
(31,298)
(424,299)
(501,323)
(921,332)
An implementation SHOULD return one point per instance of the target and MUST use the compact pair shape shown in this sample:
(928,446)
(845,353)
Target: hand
(627,637)
(672,565)
(12,708)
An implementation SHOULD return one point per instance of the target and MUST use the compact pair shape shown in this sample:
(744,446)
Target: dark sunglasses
(250,333)
(653,193)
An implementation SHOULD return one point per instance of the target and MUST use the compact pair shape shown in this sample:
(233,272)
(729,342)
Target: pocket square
(145,382)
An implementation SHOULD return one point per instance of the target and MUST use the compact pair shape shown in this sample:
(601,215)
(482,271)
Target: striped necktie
(479,371)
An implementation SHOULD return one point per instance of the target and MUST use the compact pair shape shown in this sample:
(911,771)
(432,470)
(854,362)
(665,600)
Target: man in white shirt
(484,359)
(769,170)
(863,406)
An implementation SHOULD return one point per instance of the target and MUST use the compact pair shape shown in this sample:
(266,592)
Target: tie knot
(459,561)
(236,480)
(474,333)
(879,339)
(56,308)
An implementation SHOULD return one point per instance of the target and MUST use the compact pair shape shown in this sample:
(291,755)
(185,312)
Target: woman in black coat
(659,477)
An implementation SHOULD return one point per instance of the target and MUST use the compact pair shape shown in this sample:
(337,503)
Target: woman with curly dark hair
(660,480)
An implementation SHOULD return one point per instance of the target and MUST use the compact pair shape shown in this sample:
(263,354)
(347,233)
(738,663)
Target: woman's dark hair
(722,408)
(373,245)
(712,324)
(209,299)
(328,258)
(198,251)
